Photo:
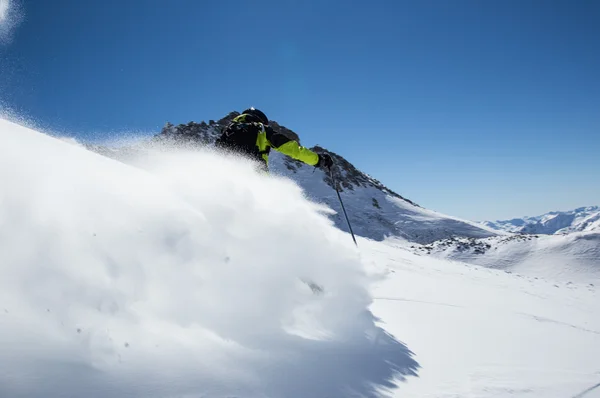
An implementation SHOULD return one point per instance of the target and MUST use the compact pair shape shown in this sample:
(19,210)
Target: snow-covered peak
(556,222)
(375,210)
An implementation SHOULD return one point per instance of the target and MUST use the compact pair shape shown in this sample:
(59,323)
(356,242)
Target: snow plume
(181,277)
(4,7)
(11,15)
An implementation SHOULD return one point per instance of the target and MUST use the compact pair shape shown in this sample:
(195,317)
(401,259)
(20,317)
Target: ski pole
(342,203)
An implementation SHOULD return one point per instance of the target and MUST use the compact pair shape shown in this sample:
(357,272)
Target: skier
(250,134)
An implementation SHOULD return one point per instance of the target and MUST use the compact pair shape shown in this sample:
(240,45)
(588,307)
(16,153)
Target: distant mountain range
(583,219)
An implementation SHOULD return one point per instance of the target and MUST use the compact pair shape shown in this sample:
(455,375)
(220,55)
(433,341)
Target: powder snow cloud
(182,276)
(11,15)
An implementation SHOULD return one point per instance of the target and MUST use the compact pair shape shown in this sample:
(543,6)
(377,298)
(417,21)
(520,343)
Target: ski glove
(325,161)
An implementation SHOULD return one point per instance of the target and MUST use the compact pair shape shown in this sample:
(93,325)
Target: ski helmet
(257,113)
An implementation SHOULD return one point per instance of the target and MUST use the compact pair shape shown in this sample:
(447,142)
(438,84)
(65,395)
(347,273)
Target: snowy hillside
(121,281)
(572,257)
(583,219)
(375,211)
(480,332)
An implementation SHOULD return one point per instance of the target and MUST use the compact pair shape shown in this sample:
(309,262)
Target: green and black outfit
(249,134)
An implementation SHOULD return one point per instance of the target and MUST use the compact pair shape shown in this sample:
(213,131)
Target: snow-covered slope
(375,211)
(479,332)
(583,219)
(150,282)
(572,257)
(121,281)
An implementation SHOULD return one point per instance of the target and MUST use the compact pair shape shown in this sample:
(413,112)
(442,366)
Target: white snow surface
(182,278)
(568,258)
(480,332)
(583,219)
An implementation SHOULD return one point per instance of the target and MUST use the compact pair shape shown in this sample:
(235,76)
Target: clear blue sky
(478,109)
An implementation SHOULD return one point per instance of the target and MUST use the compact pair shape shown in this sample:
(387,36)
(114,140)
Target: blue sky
(478,109)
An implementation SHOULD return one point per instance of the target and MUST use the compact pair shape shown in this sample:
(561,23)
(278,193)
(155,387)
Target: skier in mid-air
(250,134)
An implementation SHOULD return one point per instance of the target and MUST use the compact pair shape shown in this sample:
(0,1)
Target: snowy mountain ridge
(375,211)
(583,219)
(379,213)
